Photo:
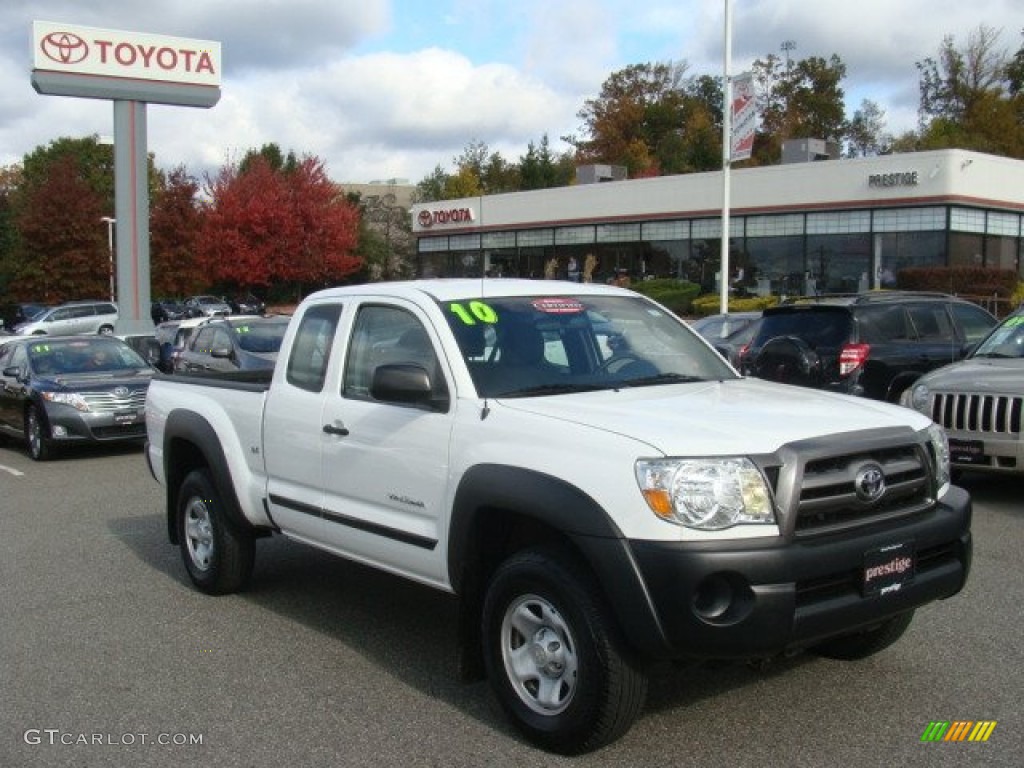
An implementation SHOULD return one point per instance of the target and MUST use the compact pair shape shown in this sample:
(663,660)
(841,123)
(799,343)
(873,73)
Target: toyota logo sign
(64,48)
(869,483)
(427,219)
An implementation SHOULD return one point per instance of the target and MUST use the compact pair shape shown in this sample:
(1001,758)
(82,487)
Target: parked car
(247,304)
(233,344)
(72,318)
(717,327)
(730,333)
(164,334)
(206,306)
(163,310)
(13,315)
(979,401)
(874,344)
(182,336)
(62,391)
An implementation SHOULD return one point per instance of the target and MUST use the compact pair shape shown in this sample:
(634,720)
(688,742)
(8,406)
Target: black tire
(217,556)
(37,444)
(788,360)
(860,645)
(554,657)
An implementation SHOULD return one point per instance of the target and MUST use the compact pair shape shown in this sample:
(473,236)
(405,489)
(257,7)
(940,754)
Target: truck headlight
(917,397)
(940,454)
(706,494)
(73,399)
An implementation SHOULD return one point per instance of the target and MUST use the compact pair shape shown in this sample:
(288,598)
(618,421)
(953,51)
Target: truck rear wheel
(554,657)
(863,644)
(217,556)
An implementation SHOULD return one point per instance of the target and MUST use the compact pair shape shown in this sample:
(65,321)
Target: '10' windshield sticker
(477,312)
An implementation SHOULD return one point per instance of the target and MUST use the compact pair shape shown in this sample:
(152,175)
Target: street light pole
(110,222)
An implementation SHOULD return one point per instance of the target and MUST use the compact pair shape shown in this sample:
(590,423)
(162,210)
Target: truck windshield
(526,346)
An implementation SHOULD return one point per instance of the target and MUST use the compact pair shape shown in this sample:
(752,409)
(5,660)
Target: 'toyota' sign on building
(74,49)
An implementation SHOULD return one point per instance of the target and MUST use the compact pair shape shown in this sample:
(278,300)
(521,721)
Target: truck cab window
(386,335)
(311,349)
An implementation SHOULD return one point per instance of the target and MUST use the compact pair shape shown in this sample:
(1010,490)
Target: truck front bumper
(742,601)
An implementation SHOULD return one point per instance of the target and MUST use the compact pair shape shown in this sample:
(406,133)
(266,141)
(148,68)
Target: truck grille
(833,491)
(984,414)
(109,402)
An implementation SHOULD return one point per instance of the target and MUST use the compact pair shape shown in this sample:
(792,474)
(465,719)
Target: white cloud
(382,89)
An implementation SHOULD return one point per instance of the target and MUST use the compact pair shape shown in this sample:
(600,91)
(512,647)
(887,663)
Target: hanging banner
(744,116)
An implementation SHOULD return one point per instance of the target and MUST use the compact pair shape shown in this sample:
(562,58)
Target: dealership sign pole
(130,69)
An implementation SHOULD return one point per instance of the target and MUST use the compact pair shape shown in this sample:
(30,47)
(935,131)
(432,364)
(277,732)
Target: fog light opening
(713,598)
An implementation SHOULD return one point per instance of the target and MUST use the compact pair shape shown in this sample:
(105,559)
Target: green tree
(971,98)
(866,136)
(10,181)
(637,113)
(540,168)
(798,100)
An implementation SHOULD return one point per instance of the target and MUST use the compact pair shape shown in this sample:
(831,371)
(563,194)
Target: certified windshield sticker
(558,306)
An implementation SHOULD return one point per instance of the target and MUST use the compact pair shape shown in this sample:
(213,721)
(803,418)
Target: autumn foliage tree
(174,225)
(63,250)
(265,226)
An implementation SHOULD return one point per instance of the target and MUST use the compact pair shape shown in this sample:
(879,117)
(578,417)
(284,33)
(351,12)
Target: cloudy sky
(382,89)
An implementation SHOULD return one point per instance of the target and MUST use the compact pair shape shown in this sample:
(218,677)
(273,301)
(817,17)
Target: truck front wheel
(867,643)
(554,657)
(217,556)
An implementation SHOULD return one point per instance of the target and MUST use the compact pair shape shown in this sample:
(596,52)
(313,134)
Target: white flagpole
(726,157)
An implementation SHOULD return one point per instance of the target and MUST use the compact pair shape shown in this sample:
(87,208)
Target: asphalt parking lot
(110,658)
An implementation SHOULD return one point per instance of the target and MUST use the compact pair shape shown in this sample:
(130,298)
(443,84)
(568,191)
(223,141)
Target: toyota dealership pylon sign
(71,60)
(130,69)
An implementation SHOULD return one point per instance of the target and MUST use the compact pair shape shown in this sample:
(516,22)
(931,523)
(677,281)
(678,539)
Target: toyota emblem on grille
(869,483)
(121,392)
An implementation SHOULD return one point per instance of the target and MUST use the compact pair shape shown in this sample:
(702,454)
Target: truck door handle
(330,429)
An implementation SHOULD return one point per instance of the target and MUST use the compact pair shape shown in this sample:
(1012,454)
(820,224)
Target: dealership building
(803,227)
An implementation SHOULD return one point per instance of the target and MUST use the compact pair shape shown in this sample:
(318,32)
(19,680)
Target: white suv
(72,319)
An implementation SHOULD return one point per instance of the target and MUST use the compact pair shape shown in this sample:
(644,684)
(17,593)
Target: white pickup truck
(599,488)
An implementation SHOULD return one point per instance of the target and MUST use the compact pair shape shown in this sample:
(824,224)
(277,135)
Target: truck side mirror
(407,384)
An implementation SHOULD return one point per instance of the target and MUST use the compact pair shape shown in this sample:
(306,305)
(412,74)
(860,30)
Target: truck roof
(449,289)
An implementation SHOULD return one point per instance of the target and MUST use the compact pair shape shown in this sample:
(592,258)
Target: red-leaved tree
(174,223)
(64,255)
(264,226)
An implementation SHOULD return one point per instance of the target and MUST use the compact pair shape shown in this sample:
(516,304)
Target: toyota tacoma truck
(597,486)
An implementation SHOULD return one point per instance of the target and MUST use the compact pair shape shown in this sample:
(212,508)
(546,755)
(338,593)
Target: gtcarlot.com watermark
(61,737)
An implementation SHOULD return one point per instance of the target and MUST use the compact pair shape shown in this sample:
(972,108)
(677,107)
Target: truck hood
(741,416)
(980,375)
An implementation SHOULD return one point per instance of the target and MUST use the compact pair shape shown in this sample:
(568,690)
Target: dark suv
(870,344)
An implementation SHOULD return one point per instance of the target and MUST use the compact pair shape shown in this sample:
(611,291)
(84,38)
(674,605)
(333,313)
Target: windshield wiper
(997,355)
(552,389)
(660,378)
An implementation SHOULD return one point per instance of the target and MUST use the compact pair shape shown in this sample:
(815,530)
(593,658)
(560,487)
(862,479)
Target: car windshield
(68,356)
(261,337)
(544,345)
(1007,340)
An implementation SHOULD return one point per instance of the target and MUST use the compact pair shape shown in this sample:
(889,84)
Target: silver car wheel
(34,436)
(539,653)
(199,534)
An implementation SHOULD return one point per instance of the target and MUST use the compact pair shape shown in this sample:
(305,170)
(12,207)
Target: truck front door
(385,467)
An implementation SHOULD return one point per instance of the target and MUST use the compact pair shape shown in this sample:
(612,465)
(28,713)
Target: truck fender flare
(187,427)
(564,507)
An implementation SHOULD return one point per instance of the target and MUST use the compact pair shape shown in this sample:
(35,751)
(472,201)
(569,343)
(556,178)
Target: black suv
(870,344)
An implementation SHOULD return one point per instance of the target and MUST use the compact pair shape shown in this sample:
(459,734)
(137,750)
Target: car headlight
(73,399)
(706,494)
(917,397)
(940,454)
